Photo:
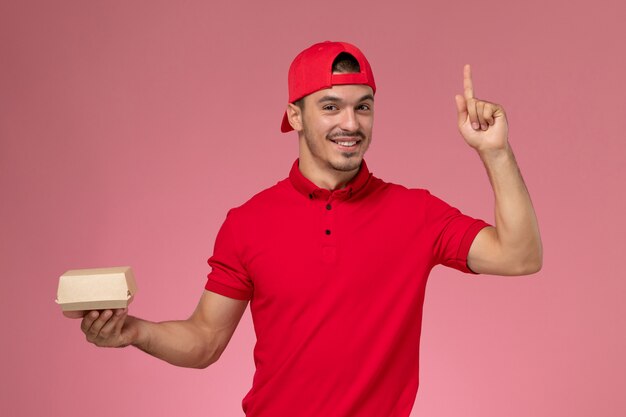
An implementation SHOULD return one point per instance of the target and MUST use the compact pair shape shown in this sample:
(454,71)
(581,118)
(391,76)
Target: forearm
(181,343)
(517,230)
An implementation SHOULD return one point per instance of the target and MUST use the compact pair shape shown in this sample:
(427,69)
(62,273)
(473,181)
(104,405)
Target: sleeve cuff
(227,291)
(466,243)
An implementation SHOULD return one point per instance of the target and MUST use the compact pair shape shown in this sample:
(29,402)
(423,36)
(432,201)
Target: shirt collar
(304,186)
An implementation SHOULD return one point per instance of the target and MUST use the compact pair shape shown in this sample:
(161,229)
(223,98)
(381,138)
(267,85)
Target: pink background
(128,129)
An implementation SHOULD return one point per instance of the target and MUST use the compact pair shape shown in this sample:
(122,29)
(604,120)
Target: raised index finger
(468,86)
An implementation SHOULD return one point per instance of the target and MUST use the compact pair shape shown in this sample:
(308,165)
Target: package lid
(96,288)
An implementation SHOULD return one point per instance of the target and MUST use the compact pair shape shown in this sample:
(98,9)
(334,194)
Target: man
(334,260)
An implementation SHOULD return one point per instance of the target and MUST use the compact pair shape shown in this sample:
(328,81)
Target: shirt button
(328,206)
(327,231)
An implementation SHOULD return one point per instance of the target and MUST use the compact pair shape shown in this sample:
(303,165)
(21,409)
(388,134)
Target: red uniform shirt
(336,285)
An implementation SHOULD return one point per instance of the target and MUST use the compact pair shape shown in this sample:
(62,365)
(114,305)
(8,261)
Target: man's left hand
(482,124)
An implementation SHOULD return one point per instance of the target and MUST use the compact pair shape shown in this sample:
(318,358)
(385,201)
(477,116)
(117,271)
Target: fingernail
(483,127)
(475,125)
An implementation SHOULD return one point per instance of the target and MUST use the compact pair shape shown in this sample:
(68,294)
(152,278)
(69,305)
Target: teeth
(347,143)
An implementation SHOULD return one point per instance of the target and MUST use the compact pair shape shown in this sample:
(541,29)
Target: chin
(348,163)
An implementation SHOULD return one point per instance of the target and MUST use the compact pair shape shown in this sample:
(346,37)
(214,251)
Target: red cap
(312,70)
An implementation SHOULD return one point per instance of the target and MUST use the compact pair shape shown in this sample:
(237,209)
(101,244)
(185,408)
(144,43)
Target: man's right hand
(193,343)
(107,328)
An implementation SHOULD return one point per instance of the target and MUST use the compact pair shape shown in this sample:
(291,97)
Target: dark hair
(343,64)
(346,63)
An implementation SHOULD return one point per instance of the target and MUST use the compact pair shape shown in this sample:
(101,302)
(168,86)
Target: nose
(349,121)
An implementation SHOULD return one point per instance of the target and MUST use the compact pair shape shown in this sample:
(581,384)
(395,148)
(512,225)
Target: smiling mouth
(346,143)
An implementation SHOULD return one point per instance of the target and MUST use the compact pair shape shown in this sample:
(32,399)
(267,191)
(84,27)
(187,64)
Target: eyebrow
(335,98)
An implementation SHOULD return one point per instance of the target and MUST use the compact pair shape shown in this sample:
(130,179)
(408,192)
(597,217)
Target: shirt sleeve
(228,276)
(454,233)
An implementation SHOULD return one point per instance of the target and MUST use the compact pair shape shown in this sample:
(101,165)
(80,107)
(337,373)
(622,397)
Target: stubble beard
(350,163)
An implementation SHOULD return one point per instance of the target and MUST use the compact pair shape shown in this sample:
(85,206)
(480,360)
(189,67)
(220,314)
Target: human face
(337,127)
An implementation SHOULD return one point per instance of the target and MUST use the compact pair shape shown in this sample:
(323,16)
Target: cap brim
(285,126)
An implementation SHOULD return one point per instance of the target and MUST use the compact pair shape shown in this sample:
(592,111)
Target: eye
(330,107)
(364,107)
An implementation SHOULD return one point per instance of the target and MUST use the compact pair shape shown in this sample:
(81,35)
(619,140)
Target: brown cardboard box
(96,289)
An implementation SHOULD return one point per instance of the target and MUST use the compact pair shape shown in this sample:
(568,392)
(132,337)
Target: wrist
(139,336)
(495,155)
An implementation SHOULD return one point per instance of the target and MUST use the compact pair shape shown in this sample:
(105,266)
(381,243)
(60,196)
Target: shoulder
(261,201)
(402,192)
(400,200)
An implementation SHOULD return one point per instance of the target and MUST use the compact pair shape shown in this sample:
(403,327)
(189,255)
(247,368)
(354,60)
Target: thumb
(461,108)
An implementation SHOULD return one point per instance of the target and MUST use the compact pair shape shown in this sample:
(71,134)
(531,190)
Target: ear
(294,115)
